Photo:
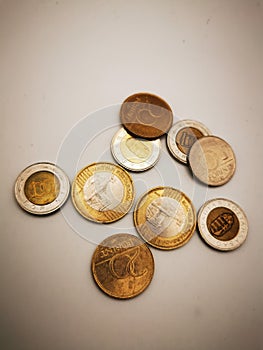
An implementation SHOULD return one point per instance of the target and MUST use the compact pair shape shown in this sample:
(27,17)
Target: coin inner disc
(42,188)
(136,151)
(103,191)
(186,137)
(165,216)
(223,224)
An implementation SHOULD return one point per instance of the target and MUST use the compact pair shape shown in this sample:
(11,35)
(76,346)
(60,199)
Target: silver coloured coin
(42,188)
(222,224)
(182,136)
(134,154)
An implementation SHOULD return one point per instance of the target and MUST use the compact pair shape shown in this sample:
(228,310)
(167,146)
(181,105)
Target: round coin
(212,160)
(102,192)
(183,135)
(222,224)
(134,154)
(146,115)
(122,266)
(42,188)
(165,218)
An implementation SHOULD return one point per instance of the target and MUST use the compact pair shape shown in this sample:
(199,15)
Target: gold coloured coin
(165,218)
(146,115)
(42,188)
(122,266)
(212,160)
(102,192)
(222,224)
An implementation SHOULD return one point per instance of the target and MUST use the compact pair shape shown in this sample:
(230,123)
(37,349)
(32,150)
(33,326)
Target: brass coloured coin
(146,115)
(122,266)
(102,192)
(183,135)
(165,218)
(222,224)
(42,188)
(134,154)
(212,160)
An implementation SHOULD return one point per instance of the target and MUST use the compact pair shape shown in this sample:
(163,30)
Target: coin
(146,115)
(165,218)
(122,266)
(102,192)
(134,154)
(222,224)
(212,160)
(42,188)
(183,135)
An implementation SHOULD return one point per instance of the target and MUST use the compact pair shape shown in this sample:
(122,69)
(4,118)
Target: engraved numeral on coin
(222,224)
(187,140)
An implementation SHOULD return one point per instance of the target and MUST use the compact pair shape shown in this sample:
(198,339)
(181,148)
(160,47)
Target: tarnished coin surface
(183,135)
(146,115)
(134,154)
(122,266)
(212,160)
(42,188)
(102,192)
(165,218)
(222,224)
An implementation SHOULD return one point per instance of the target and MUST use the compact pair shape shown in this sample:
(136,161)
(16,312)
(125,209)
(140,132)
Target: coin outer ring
(111,215)
(107,291)
(177,242)
(194,164)
(232,244)
(171,137)
(119,157)
(47,208)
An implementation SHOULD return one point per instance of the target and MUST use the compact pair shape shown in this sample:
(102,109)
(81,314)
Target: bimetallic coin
(122,266)
(134,154)
(102,192)
(146,115)
(165,218)
(183,135)
(212,160)
(42,188)
(222,224)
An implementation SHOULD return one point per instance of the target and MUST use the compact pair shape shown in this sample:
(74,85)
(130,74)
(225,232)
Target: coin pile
(164,217)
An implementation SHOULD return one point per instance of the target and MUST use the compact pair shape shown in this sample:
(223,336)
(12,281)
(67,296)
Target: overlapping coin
(165,218)
(222,224)
(122,266)
(134,154)
(146,115)
(102,192)
(212,160)
(42,188)
(183,135)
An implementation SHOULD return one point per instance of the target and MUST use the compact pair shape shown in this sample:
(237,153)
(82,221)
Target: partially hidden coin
(102,192)
(222,224)
(212,160)
(183,135)
(134,154)
(146,115)
(122,266)
(42,188)
(165,218)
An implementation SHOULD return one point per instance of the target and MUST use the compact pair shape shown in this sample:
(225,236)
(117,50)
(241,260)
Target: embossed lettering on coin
(222,224)
(122,266)
(212,160)
(42,188)
(102,192)
(146,115)
(165,218)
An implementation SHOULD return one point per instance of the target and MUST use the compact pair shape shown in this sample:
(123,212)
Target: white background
(62,60)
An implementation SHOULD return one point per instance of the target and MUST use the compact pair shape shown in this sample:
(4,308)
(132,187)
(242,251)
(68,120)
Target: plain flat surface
(59,62)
